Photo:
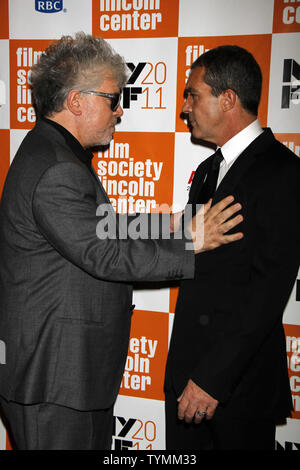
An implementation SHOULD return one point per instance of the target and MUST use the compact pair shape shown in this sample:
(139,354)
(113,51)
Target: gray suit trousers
(46,426)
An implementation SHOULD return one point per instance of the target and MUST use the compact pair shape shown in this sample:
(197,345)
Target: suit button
(203,320)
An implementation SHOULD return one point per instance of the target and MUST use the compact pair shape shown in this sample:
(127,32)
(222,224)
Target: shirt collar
(237,144)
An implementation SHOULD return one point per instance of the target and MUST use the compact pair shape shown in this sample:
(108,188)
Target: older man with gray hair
(65,293)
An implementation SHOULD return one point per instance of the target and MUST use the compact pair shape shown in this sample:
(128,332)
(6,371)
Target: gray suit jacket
(65,297)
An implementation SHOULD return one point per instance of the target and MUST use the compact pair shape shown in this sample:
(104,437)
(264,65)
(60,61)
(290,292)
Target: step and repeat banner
(151,160)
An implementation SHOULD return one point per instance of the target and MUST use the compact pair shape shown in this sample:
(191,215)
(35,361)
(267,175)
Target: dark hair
(232,67)
(67,64)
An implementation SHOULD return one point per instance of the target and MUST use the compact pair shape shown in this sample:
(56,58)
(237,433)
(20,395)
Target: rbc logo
(48,6)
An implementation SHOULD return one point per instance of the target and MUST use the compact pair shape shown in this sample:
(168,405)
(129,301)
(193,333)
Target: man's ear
(229,98)
(74,102)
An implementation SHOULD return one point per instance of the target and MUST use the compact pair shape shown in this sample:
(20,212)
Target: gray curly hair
(78,63)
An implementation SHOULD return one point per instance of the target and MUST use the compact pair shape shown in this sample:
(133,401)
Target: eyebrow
(190,90)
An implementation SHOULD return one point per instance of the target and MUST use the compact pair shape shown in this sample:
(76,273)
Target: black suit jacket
(227,334)
(65,297)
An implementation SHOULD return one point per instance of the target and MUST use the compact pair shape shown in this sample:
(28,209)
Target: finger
(230,224)
(227,213)
(220,206)
(182,406)
(232,238)
(211,411)
(198,418)
(225,239)
(190,413)
(207,206)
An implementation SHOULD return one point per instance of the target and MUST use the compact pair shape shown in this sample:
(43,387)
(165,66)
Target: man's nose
(187,105)
(119,111)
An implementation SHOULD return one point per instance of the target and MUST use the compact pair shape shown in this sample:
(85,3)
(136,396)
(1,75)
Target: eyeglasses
(115,98)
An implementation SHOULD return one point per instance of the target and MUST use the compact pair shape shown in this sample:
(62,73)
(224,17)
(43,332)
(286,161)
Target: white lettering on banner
(116,161)
(134,21)
(129,21)
(46,6)
(26,114)
(147,168)
(143,345)
(295,384)
(192,52)
(118,5)
(291,15)
(26,57)
(296,402)
(293,347)
(294,148)
(2,93)
(135,363)
(292,344)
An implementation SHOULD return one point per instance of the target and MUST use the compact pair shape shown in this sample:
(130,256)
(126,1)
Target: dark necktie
(209,186)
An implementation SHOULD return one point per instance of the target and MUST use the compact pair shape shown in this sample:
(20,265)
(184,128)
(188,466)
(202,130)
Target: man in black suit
(226,379)
(65,293)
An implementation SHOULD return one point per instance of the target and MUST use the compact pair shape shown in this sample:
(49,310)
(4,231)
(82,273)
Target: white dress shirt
(236,145)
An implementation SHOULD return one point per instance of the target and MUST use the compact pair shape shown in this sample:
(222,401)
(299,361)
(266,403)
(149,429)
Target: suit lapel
(198,180)
(242,165)
(100,187)
(234,175)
